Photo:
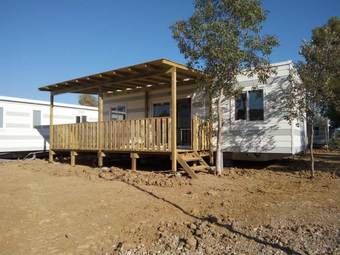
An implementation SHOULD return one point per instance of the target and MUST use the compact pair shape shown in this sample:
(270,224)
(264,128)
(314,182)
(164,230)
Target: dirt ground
(253,208)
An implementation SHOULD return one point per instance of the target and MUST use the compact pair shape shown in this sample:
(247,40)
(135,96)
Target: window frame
(248,104)
(245,106)
(247,113)
(113,110)
(2,119)
(160,103)
(80,119)
(40,118)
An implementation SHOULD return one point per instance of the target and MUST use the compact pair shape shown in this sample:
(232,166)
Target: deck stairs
(192,161)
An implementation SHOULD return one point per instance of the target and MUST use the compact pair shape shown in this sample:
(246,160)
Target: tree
(315,89)
(223,39)
(88,100)
(327,39)
(333,110)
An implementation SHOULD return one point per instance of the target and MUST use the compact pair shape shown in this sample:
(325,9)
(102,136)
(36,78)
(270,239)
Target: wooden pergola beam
(81,86)
(173,120)
(100,126)
(50,151)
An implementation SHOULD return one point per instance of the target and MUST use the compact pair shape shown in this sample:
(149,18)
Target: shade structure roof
(152,74)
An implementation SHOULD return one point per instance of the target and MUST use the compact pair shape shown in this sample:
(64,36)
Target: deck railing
(141,135)
(200,134)
(149,134)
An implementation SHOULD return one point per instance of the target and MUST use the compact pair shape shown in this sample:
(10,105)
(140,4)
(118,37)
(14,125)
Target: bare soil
(254,208)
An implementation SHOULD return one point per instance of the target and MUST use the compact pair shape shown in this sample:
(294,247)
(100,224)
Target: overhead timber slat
(155,73)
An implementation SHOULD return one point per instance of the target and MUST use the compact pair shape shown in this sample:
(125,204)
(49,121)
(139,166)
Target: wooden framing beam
(90,85)
(173,120)
(51,152)
(100,126)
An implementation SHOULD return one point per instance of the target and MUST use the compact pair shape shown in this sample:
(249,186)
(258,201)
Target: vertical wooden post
(134,157)
(194,133)
(100,126)
(51,152)
(173,120)
(73,158)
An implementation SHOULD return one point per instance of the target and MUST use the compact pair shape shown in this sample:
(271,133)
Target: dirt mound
(143,178)
(212,236)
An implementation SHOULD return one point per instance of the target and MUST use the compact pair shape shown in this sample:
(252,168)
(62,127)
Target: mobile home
(24,123)
(256,128)
(254,123)
(157,107)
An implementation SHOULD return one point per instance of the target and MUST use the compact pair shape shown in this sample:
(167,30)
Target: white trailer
(24,123)
(254,124)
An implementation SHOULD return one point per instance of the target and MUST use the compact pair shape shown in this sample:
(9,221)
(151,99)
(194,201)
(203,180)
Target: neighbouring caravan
(254,124)
(24,123)
(321,131)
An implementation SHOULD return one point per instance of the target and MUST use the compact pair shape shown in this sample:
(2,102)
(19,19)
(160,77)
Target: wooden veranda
(134,136)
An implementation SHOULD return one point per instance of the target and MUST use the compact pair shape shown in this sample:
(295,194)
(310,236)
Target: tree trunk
(311,150)
(219,153)
(211,121)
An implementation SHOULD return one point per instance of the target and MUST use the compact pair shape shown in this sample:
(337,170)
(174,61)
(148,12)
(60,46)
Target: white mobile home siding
(135,102)
(17,132)
(274,134)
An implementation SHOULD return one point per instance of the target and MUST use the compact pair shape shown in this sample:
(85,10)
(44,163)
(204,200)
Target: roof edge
(42,102)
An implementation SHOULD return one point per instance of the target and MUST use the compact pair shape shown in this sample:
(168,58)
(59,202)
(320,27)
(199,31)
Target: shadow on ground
(214,221)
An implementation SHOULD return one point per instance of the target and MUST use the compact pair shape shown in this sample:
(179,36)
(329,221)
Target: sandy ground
(272,209)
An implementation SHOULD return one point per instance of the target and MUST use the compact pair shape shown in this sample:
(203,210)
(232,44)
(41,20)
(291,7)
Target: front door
(183,119)
(184,122)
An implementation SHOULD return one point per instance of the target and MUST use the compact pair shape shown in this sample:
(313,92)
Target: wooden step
(186,167)
(187,159)
(184,158)
(199,168)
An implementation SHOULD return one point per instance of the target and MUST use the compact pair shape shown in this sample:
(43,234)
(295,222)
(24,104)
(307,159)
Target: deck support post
(73,158)
(100,126)
(50,151)
(173,120)
(134,157)
(101,156)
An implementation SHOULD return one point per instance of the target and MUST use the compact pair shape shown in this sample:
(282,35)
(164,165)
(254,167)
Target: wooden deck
(148,135)
(141,135)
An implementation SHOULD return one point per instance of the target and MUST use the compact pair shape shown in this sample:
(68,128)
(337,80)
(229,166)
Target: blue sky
(46,41)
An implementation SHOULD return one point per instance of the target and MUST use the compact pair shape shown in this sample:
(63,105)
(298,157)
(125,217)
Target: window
(118,112)
(81,119)
(1,117)
(241,107)
(36,118)
(161,110)
(249,106)
(256,105)
(316,131)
